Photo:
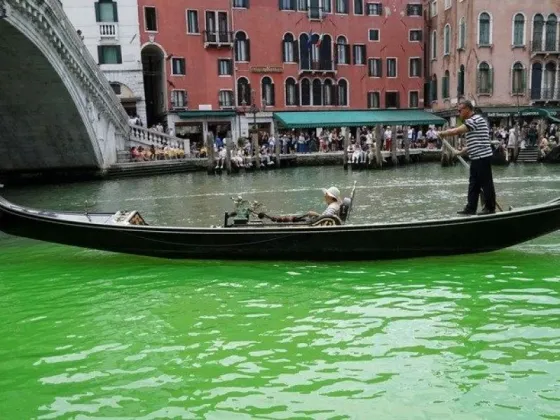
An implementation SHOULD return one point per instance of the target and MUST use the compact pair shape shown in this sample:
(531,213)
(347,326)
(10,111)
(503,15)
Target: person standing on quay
(476,130)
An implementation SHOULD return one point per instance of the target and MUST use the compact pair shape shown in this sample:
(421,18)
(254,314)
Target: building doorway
(153,68)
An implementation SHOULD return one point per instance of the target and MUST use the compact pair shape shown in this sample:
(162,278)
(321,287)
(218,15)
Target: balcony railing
(218,38)
(108,31)
(543,47)
(321,66)
(545,94)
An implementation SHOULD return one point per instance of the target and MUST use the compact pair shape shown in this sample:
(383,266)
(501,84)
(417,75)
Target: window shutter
(119,55)
(490,81)
(97,12)
(398,94)
(296,50)
(297,86)
(335,94)
(272,95)
(354,55)
(336,53)
(280,5)
(293,4)
(219,67)
(99,54)
(478,81)
(524,79)
(283,46)
(115,12)
(348,53)
(380,67)
(248,44)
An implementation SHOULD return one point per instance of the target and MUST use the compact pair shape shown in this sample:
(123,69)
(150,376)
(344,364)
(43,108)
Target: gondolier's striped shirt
(478,138)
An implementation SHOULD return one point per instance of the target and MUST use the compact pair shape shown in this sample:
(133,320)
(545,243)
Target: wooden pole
(210,152)
(228,153)
(517,143)
(378,144)
(345,147)
(255,147)
(277,148)
(394,141)
(406,144)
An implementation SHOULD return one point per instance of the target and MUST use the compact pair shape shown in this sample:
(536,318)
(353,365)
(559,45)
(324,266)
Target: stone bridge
(57,110)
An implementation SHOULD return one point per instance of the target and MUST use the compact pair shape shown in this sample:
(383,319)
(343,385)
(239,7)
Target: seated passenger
(332,198)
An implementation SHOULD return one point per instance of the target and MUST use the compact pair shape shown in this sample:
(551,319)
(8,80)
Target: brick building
(503,55)
(222,65)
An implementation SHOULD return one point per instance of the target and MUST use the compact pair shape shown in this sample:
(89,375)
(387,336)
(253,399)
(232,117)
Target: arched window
(433,89)
(484,79)
(292,96)
(551,30)
(317,92)
(461,81)
(315,50)
(304,59)
(536,81)
(267,90)
(549,81)
(305,92)
(517,79)
(433,45)
(289,49)
(328,92)
(243,92)
(342,50)
(484,29)
(342,93)
(538,32)
(325,53)
(446,39)
(519,30)
(242,48)
(462,33)
(445,85)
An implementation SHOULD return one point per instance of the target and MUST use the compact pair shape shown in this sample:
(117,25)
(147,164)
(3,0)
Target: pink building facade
(499,54)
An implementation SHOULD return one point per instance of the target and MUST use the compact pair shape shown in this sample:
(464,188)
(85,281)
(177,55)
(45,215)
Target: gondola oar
(465,164)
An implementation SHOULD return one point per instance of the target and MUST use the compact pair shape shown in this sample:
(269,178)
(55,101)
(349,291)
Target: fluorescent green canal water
(90,335)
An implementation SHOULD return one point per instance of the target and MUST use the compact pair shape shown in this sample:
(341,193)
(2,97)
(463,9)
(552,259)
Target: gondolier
(479,149)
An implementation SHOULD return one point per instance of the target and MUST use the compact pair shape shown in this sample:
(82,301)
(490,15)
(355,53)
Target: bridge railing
(148,137)
(70,40)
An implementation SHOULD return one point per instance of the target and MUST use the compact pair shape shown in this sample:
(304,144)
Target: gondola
(250,234)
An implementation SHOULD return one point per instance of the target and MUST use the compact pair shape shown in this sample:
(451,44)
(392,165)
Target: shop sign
(267,69)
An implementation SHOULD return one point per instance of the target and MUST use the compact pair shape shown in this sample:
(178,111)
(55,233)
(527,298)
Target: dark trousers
(481,179)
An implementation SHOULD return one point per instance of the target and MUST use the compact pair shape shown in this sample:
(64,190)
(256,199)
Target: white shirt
(332,209)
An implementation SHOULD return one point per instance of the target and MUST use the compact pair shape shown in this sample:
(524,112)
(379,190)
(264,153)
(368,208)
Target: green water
(89,335)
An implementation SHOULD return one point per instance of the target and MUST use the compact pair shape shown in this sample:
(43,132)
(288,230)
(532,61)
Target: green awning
(331,119)
(205,114)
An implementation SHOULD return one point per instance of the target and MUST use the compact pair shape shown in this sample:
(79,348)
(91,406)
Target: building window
(106,11)
(289,49)
(461,81)
(243,91)
(178,66)
(358,7)
(538,32)
(447,4)
(342,51)
(242,48)
(150,19)
(327,7)
(287,4)
(519,30)
(178,99)
(415,35)
(462,34)
(484,29)
(116,88)
(446,39)
(244,4)
(392,100)
(433,89)
(375,68)
(445,85)
(291,92)
(341,6)
(413,99)
(433,46)
(225,67)
(342,93)
(433,8)
(374,9)
(484,79)
(518,79)
(302,5)
(305,92)
(549,81)
(414,10)
(109,54)
(391,67)
(551,31)
(225,98)
(373,35)
(373,100)
(359,54)
(267,91)
(328,89)
(317,92)
(415,67)
(192,22)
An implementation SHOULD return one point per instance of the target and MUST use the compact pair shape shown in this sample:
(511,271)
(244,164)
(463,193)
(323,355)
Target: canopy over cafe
(507,116)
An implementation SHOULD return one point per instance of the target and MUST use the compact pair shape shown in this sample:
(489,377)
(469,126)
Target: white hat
(332,192)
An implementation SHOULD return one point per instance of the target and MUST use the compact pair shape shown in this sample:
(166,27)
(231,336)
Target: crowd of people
(528,137)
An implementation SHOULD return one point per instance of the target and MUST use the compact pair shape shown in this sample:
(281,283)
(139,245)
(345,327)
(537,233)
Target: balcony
(218,39)
(548,47)
(545,95)
(108,31)
(318,67)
